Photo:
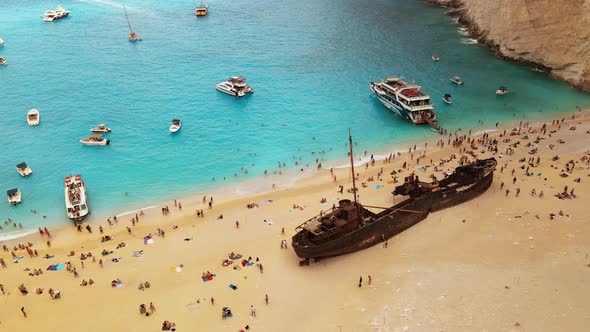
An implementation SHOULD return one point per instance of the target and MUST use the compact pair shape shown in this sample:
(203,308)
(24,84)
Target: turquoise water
(309,63)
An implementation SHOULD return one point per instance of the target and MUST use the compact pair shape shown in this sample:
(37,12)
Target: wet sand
(495,263)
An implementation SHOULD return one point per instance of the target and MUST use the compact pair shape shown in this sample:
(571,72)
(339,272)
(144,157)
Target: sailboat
(133,36)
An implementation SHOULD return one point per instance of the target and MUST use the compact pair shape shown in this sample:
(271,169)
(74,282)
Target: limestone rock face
(554,34)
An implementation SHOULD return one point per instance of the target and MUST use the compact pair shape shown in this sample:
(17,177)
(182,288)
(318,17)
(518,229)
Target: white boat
(1,42)
(435,57)
(101,128)
(405,100)
(457,80)
(56,14)
(3,61)
(23,169)
(94,140)
(202,9)
(175,126)
(235,86)
(14,196)
(447,98)
(75,196)
(33,117)
(502,91)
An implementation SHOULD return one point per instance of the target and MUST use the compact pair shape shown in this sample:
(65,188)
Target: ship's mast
(127,18)
(352,164)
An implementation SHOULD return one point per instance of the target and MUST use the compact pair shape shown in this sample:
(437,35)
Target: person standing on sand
(266,298)
(237,224)
(212,301)
(22,309)
(252,311)
(360,282)
(152,308)
(370,280)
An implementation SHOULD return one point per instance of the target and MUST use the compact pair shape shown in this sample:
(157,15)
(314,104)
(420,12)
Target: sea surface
(309,62)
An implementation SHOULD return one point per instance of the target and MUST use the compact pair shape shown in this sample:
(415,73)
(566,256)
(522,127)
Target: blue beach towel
(232,286)
(377,186)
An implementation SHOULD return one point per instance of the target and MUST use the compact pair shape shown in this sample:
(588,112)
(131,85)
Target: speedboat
(75,196)
(202,9)
(447,98)
(435,57)
(101,128)
(14,196)
(406,100)
(175,126)
(457,80)
(33,117)
(235,86)
(23,169)
(3,61)
(95,139)
(58,13)
(502,91)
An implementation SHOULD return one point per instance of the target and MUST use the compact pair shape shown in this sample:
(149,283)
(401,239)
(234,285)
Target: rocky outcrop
(553,35)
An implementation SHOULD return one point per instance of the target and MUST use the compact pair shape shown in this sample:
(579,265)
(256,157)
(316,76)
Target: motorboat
(24,169)
(175,126)
(3,61)
(235,86)
(94,140)
(457,80)
(406,100)
(33,117)
(56,14)
(447,98)
(76,198)
(202,9)
(101,128)
(1,42)
(435,57)
(502,91)
(14,196)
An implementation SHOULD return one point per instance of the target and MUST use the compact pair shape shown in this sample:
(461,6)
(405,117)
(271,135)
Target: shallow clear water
(309,62)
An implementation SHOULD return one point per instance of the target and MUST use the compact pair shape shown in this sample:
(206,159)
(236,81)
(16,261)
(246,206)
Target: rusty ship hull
(374,228)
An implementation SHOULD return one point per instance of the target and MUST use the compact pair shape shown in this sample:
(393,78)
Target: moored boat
(24,169)
(202,9)
(75,198)
(33,117)
(235,86)
(405,100)
(1,42)
(3,61)
(175,126)
(14,196)
(435,58)
(95,140)
(352,227)
(502,91)
(447,98)
(101,128)
(56,14)
(457,80)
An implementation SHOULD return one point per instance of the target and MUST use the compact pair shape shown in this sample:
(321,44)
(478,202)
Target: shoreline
(289,179)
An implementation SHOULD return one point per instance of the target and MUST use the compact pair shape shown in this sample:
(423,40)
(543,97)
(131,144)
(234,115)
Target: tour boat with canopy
(75,198)
(24,169)
(14,196)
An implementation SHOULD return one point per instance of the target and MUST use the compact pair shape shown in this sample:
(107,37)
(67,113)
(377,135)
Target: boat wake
(104,2)
(16,235)
(126,213)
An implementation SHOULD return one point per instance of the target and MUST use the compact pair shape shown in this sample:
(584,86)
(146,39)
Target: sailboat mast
(127,18)
(352,164)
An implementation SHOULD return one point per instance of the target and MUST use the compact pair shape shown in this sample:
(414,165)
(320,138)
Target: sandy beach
(500,262)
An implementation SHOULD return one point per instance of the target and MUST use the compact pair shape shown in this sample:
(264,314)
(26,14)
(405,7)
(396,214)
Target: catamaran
(75,197)
(235,86)
(133,36)
(14,196)
(405,100)
(23,169)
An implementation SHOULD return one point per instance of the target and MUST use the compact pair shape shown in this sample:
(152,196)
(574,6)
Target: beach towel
(138,253)
(51,267)
(148,241)
(18,259)
(58,267)
(232,286)
(377,186)
(48,257)
(249,263)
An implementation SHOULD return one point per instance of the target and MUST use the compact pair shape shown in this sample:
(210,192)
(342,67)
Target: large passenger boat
(405,100)
(53,15)
(76,199)
(352,227)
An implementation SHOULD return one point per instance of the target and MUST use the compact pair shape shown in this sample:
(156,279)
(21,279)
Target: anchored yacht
(405,100)
(24,169)
(235,86)
(53,15)
(14,196)
(75,196)
(3,61)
